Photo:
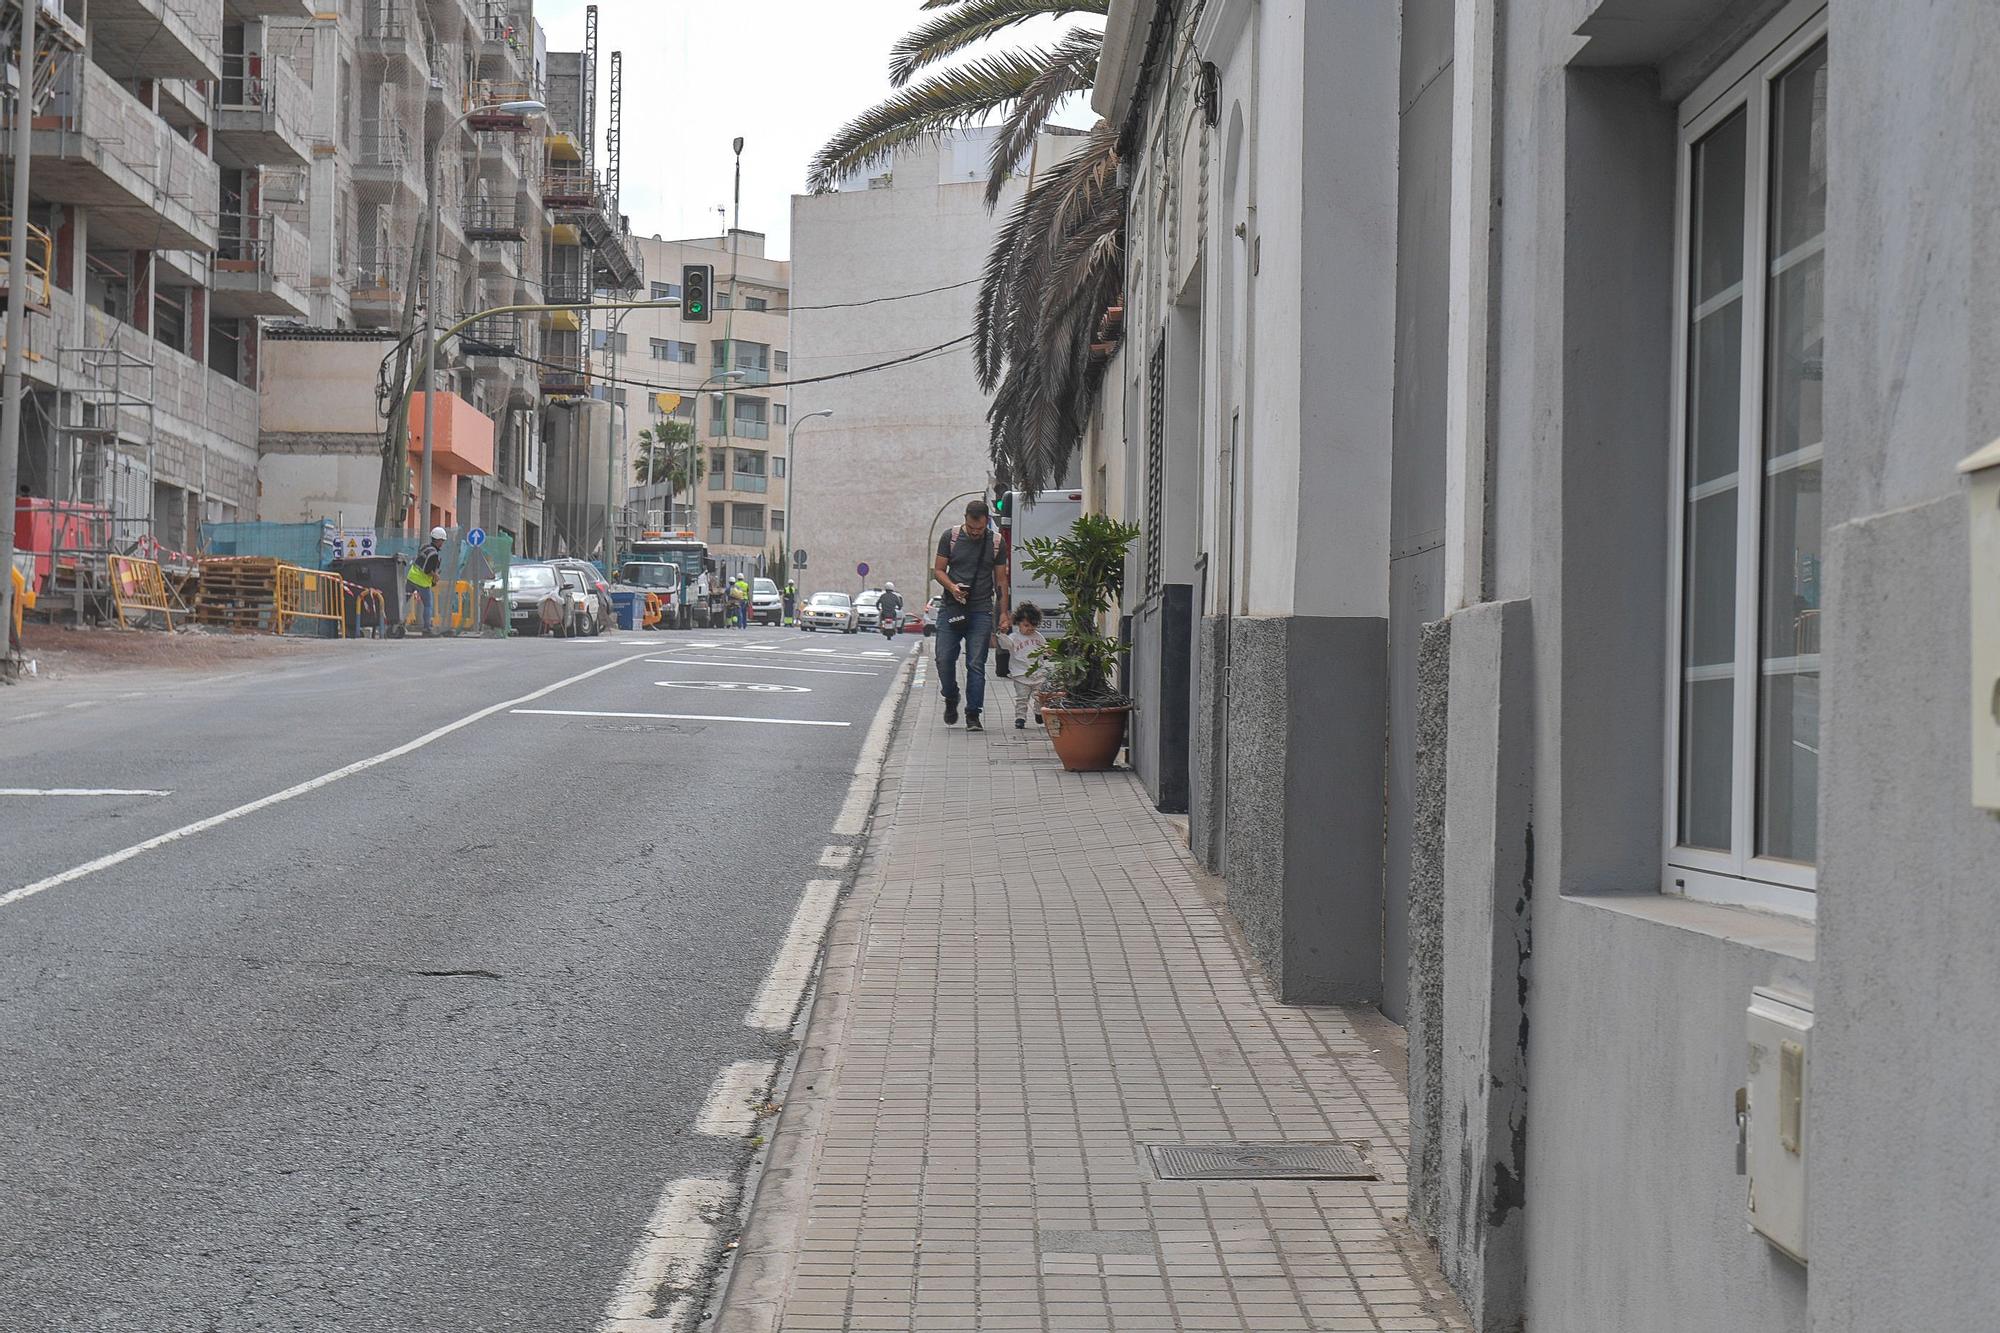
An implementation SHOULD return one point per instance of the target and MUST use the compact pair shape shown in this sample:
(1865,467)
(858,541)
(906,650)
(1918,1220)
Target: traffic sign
(357,542)
(799,556)
(476,537)
(862,569)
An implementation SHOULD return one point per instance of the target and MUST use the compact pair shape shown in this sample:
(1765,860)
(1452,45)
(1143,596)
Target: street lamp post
(17,307)
(792,474)
(524,107)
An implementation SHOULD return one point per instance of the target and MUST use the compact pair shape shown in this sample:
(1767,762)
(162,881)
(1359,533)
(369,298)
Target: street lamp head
(524,107)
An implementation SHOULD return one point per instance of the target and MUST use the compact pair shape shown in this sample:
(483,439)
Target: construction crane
(611,131)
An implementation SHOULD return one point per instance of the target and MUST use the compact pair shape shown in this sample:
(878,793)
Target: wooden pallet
(238,592)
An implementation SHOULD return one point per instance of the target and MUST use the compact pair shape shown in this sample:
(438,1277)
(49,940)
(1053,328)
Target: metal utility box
(1779,1028)
(1982,474)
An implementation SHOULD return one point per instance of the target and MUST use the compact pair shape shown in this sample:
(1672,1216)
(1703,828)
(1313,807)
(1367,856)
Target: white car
(867,611)
(766,604)
(826,610)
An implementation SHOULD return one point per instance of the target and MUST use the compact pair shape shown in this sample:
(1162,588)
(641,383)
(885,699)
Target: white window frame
(1745,82)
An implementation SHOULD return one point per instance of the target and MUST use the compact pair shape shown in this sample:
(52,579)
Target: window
(603,338)
(777,519)
(666,291)
(779,414)
(781,361)
(668,349)
(778,466)
(755,303)
(1743,825)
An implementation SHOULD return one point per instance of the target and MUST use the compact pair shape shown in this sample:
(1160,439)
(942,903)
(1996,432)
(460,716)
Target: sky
(784,74)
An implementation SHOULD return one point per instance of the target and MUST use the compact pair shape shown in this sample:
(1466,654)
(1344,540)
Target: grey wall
(1903,1134)
(1416,488)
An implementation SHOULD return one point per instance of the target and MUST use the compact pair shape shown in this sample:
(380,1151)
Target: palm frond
(1071,69)
(947,100)
(968,23)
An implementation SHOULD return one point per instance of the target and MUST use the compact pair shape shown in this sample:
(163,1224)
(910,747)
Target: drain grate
(1323,1160)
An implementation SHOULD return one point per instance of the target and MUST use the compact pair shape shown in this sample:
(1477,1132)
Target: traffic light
(697,280)
(1000,499)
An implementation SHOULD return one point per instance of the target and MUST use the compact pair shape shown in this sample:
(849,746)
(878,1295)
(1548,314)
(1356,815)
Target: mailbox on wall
(1982,474)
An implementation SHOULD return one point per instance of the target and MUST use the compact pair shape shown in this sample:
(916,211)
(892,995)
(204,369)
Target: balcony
(260,267)
(376,289)
(742,536)
(750,375)
(568,188)
(269,9)
(390,33)
(33,271)
(565,375)
(498,160)
(505,39)
(99,146)
(388,156)
(493,337)
(493,92)
(156,39)
(755,482)
(740,429)
(262,110)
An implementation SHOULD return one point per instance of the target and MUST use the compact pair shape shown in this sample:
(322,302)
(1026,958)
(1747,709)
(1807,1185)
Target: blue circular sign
(476,537)
(862,569)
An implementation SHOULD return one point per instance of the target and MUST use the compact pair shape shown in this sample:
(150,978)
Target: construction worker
(791,601)
(740,591)
(423,576)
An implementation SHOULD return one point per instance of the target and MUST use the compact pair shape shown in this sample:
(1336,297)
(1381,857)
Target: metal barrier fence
(138,590)
(312,595)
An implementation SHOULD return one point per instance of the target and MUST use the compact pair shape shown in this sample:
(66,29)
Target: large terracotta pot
(1086,739)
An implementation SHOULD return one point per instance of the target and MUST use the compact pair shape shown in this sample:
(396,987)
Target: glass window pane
(1708,724)
(1714,447)
(1789,574)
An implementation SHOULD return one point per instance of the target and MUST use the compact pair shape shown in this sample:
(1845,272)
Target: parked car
(603,612)
(767,604)
(531,583)
(826,610)
(867,612)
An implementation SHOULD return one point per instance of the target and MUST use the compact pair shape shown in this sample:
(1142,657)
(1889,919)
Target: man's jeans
(426,597)
(973,636)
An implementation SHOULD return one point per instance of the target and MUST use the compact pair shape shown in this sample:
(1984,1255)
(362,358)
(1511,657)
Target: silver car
(867,611)
(826,610)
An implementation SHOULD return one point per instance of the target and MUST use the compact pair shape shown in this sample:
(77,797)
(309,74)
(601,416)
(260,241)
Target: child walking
(1024,641)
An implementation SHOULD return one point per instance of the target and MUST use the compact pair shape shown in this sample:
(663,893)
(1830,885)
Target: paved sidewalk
(1029,982)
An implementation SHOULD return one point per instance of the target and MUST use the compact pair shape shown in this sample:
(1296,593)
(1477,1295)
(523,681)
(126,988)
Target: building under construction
(226,258)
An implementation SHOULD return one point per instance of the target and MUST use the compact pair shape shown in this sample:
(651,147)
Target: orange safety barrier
(310,594)
(138,590)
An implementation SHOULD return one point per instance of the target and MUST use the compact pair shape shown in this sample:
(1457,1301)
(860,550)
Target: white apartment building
(907,444)
(738,422)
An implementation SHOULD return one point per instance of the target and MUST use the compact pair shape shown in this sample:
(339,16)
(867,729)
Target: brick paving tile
(1029,982)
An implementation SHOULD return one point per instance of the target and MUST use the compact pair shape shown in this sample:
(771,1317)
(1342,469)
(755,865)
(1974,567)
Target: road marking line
(876,652)
(836,858)
(300,789)
(680,1237)
(785,984)
(827,651)
(733,1099)
(755,666)
(867,769)
(680,717)
(82,791)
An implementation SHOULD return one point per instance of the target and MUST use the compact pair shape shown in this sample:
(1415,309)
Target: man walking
(423,576)
(970,569)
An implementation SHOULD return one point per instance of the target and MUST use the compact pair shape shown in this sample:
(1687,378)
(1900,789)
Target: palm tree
(1058,263)
(663,455)
(1055,269)
(1027,83)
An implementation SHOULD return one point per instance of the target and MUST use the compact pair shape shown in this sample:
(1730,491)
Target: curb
(756,1281)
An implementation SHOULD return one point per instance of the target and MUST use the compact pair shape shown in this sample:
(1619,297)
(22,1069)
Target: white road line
(867,769)
(785,984)
(803,652)
(827,651)
(836,858)
(82,791)
(680,1237)
(756,666)
(680,717)
(300,789)
(733,1099)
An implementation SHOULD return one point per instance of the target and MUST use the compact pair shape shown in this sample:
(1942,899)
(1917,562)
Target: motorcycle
(890,623)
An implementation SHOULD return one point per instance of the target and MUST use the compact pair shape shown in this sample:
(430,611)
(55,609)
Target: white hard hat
(889,587)
(438,534)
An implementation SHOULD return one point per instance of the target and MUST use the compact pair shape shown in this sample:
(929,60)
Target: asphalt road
(417,1048)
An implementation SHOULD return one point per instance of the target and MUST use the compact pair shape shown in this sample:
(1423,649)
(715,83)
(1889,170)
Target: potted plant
(1085,713)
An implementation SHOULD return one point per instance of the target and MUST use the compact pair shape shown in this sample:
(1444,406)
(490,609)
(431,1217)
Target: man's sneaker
(972,721)
(951,712)
(1020,724)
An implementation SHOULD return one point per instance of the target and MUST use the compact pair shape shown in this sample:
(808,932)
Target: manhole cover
(1324,1160)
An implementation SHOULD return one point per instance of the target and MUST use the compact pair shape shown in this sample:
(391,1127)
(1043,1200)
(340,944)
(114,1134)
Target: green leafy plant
(664,455)
(1087,565)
